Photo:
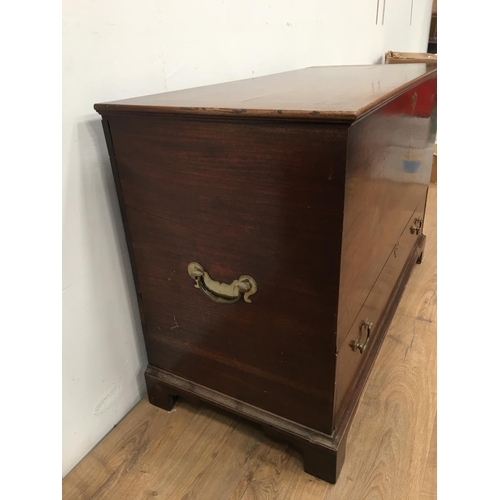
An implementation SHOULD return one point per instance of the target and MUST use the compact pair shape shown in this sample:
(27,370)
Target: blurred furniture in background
(393,57)
(432,47)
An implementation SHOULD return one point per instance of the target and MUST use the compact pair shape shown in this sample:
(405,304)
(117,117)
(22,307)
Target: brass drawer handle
(222,293)
(417,226)
(356,344)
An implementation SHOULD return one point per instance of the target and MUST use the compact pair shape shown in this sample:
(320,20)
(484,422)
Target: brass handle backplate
(417,226)
(222,293)
(356,344)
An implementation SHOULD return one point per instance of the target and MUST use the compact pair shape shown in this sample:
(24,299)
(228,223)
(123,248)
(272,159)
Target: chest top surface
(340,93)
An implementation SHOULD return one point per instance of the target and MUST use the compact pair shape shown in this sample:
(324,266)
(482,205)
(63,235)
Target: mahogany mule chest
(272,225)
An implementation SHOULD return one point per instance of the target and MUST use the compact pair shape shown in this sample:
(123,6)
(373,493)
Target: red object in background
(424,102)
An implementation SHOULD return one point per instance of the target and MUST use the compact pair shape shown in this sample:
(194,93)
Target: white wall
(115,49)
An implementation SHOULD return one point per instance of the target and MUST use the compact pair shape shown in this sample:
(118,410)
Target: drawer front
(239,199)
(350,358)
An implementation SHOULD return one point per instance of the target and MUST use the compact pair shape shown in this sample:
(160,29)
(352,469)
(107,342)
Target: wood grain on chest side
(240,198)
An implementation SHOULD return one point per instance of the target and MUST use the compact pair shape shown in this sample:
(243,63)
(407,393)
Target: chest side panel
(241,198)
(388,172)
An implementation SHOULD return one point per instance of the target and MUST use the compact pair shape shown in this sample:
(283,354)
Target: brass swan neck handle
(222,293)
